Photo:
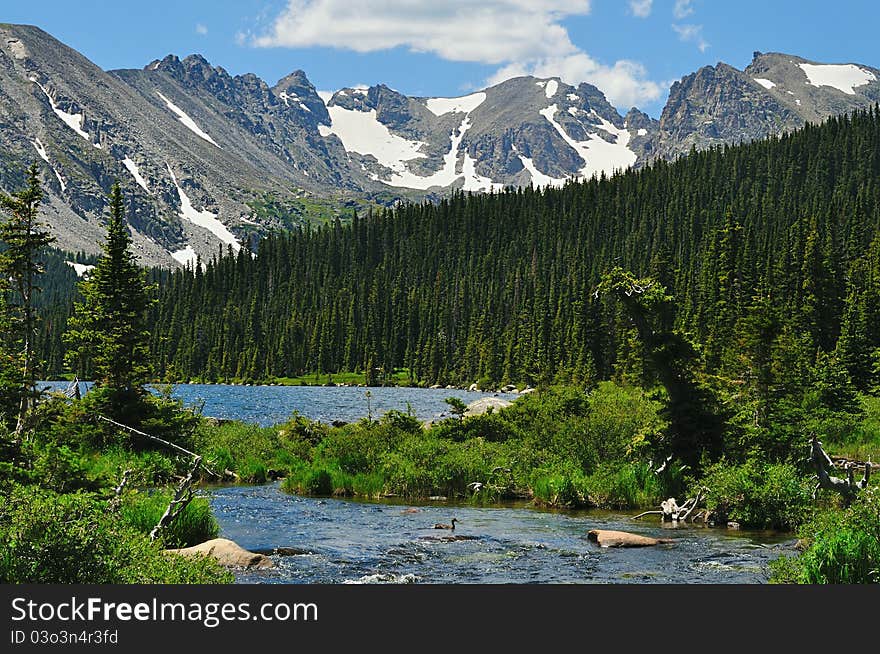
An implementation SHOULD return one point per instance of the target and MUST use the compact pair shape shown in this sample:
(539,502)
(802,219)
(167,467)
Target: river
(347,541)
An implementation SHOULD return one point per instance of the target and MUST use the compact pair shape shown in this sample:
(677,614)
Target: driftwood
(670,511)
(848,488)
(182,497)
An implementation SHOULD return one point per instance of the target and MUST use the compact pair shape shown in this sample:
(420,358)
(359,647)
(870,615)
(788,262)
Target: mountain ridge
(209,160)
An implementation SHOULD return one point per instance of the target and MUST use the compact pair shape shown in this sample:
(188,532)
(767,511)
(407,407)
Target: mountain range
(208,160)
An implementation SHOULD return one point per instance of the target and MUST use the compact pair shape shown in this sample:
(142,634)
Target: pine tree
(108,328)
(25,239)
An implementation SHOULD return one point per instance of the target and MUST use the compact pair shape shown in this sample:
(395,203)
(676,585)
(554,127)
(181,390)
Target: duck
(451,526)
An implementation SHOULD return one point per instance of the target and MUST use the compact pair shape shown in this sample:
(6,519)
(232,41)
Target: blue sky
(631,49)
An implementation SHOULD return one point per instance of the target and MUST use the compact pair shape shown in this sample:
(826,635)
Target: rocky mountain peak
(295,90)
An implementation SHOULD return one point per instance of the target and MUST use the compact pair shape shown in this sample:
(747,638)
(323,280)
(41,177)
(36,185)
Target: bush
(319,483)
(758,495)
(73,539)
(626,486)
(843,547)
(195,525)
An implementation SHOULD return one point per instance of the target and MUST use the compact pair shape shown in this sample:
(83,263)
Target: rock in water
(227,553)
(608,538)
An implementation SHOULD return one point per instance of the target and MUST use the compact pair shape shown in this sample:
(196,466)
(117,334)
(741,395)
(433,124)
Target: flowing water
(343,541)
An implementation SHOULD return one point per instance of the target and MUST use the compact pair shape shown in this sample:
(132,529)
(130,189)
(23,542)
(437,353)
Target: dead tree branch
(161,441)
(848,488)
(117,493)
(182,497)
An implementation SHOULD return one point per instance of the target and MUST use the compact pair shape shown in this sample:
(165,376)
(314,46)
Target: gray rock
(483,405)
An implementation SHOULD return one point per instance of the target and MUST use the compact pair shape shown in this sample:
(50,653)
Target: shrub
(843,547)
(71,539)
(758,495)
(319,482)
(253,471)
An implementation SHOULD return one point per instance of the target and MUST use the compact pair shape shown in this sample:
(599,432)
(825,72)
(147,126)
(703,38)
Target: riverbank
(559,449)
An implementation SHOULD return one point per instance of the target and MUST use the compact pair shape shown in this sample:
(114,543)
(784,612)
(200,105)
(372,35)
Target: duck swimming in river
(451,526)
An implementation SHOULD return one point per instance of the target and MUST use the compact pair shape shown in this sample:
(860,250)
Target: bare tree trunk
(182,497)
(848,488)
(117,494)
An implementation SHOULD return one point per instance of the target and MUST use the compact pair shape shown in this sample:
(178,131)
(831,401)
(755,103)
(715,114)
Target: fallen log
(847,488)
(161,441)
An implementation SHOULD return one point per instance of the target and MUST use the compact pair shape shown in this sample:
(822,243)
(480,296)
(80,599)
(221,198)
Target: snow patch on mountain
(473,181)
(766,83)
(598,154)
(188,122)
(551,88)
(41,150)
(465,104)
(448,174)
(538,178)
(186,257)
(361,132)
(204,218)
(843,77)
(131,166)
(80,268)
(73,121)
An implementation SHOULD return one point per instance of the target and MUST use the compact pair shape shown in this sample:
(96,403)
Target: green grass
(842,547)
(195,525)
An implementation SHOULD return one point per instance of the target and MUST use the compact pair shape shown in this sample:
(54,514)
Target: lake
(269,405)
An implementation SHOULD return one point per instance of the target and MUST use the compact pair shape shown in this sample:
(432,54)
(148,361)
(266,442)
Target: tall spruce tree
(25,239)
(107,332)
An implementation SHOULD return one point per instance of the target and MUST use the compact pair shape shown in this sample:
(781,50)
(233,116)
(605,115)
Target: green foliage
(107,333)
(757,494)
(842,547)
(24,238)
(456,406)
(195,525)
(319,483)
(561,446)
(69,539)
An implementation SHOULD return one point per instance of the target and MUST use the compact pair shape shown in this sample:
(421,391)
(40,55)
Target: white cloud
(201,28)
(693,33)
(682,9)
(492,32)
(641,8)
(625,84)
(521,36)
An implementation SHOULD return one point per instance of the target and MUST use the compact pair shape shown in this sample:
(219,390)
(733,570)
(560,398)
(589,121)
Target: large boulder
(608,538)
(227,553)
(481,406)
